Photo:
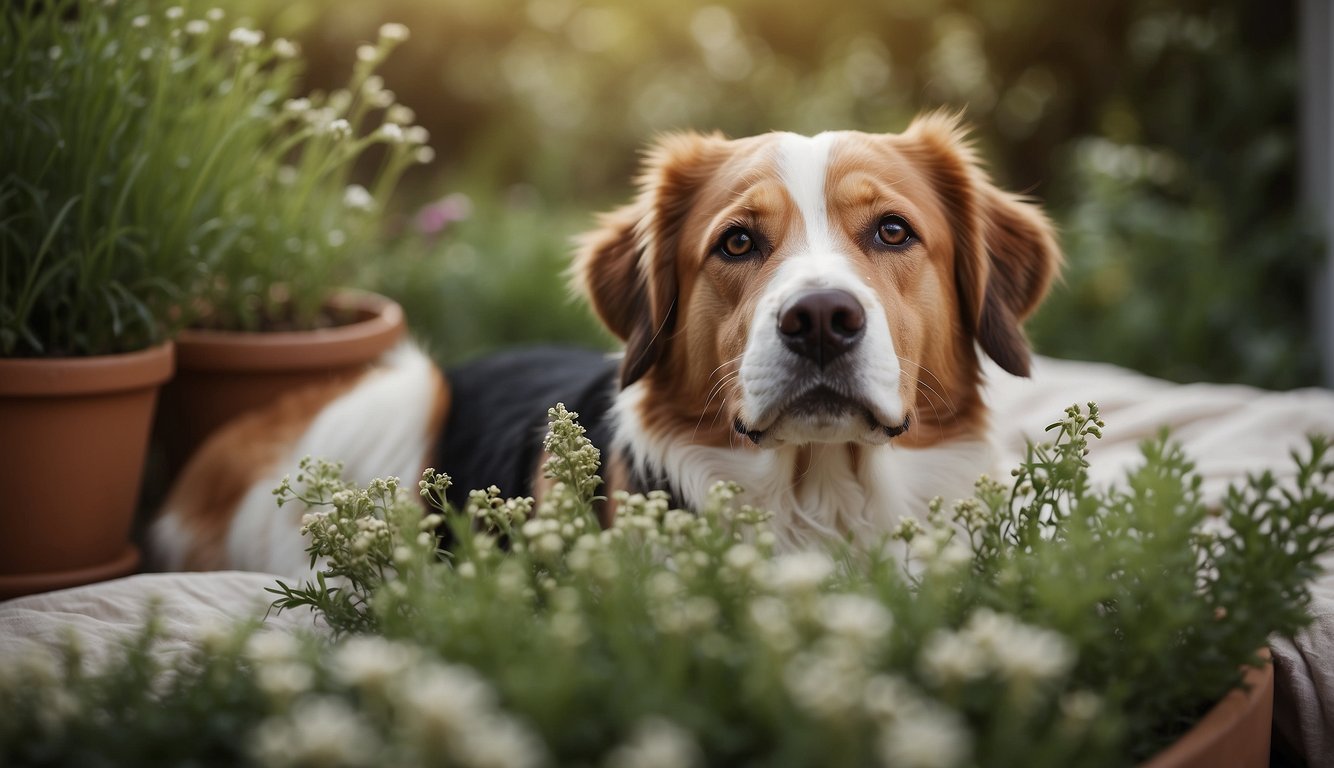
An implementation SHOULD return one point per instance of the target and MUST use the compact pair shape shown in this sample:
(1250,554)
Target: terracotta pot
(73,433)
(1235,733)
(223,374)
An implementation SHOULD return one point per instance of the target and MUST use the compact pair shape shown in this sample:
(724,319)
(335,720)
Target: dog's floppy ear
(627,266)
(1006,253)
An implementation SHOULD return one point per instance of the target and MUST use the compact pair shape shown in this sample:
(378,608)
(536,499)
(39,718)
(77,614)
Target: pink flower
(433,218)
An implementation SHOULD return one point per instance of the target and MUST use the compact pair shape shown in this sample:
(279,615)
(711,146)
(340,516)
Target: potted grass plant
(87,283)
(1044,622)
(273,314)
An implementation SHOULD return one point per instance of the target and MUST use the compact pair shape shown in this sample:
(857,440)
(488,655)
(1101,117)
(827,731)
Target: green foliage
(154,170)
(1047,623)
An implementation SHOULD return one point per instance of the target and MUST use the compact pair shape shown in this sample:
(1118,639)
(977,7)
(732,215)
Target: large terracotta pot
(1234,733)
(223,374)
(73,434)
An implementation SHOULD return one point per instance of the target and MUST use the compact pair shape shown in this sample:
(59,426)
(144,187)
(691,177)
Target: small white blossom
(854,617)
(826,684)
(401,114)
(196,27)
(285,49)
(296,106)
(929,737)
(952,658)
(393,32)
(322,731)
(424,155)
(657,743)
(368,53)
(391,132)
(799,571)
(175,12)
(246,38)
(214,14)
(371,662)
(139,22)
(340,128)
(284,679)
(271,646)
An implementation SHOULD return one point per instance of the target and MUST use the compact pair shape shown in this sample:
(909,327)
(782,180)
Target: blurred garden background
(1159,134)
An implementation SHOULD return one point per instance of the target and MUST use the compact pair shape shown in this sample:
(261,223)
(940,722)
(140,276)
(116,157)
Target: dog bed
(1228,430)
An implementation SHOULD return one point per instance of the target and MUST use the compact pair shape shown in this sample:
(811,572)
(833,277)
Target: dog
(805,316)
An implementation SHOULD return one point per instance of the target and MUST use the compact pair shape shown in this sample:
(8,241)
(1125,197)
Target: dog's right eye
(736,243)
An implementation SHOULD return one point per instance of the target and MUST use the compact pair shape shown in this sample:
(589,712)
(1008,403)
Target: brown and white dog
(802,315)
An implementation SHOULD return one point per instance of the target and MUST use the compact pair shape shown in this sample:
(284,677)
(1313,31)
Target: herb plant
(156,168)
(1047,622)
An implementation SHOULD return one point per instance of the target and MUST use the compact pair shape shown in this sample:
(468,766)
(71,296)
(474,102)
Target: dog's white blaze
(815,261)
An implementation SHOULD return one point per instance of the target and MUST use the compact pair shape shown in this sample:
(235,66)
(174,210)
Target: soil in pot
(73,435)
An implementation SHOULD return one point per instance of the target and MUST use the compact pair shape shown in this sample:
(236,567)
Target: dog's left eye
(736,243)
(894,231)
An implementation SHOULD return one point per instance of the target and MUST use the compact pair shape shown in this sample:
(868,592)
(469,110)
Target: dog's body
(801,315)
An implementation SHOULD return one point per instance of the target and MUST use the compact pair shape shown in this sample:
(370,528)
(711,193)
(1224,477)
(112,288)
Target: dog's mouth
(823,411)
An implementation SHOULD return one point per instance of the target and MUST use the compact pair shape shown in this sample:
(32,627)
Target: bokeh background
(1160,135)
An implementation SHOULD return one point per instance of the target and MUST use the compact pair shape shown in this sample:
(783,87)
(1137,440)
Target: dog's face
(830,289)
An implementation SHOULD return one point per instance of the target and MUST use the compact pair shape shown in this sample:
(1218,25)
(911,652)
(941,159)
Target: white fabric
(101,617)
(1227,430)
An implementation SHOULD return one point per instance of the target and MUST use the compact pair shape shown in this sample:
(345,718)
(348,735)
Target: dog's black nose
(821,325)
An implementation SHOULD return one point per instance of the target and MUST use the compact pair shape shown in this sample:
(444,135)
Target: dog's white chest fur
(816,493)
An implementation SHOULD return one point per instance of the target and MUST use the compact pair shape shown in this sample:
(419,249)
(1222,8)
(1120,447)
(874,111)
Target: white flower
(285,49)
(139,22)
(175,12)
(657,743)
(929,737)
(55,52)
(393,32)
(826,684)
(196,27)
(951,658)
(271,646)
(392,133)
(246,38)
(371,662)
(284,679)
(446,697)
(214,14)
(340,128)
(854,617)
(322,731)
(886,697)
(296,106)
(799,571)
(424,155)
(368,53)
(401,114)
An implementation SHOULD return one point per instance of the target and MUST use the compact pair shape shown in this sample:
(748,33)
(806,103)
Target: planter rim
(206,350)
(57,376)
(1236,706)
(15,585)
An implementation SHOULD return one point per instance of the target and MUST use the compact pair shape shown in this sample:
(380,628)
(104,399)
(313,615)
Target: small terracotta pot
(73,434)
(1234,733)
(223,374)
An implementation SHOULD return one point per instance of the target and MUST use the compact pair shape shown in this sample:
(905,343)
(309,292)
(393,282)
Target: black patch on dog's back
(498,414)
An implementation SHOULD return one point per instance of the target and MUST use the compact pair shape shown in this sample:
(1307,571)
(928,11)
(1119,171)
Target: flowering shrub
(1045,623)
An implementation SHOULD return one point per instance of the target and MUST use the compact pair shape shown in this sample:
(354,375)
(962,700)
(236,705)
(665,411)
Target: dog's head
(825,289)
